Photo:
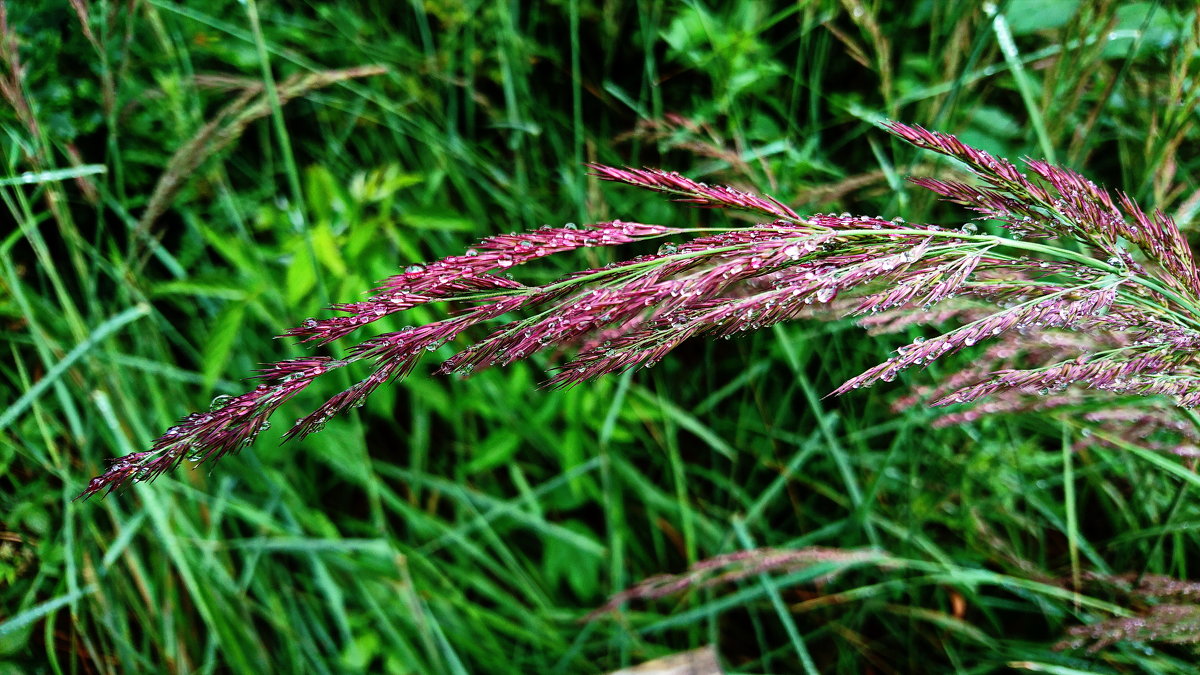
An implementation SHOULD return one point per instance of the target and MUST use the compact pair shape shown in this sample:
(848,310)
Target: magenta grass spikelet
(1094,293)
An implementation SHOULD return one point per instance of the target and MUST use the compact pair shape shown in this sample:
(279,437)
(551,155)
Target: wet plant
(1164,610)
(1063,262)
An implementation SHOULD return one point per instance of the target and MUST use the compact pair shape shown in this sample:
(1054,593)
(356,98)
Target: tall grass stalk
(1073,264)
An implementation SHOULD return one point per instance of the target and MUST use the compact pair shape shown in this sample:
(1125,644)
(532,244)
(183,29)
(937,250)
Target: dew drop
(414,269)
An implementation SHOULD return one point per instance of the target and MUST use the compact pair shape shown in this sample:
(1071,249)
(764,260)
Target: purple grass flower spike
(730,568)
(1166,612)
(1072,293)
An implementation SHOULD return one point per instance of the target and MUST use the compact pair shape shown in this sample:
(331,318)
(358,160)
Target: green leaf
(301,277)
(579,567)
(435,218)
(328,250)
(220,341)
(498,448)
(34,177)
(1030,16)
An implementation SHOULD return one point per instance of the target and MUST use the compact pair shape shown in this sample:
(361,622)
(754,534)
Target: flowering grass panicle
(1066,259)
(729,568)
(1166,612)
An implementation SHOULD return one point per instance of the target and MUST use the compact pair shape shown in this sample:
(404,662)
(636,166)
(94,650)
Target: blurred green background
(183,181)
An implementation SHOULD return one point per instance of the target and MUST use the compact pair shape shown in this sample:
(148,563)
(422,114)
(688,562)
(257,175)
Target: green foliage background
(468,525)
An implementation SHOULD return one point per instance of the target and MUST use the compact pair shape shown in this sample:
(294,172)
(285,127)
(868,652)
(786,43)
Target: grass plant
(185,180)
